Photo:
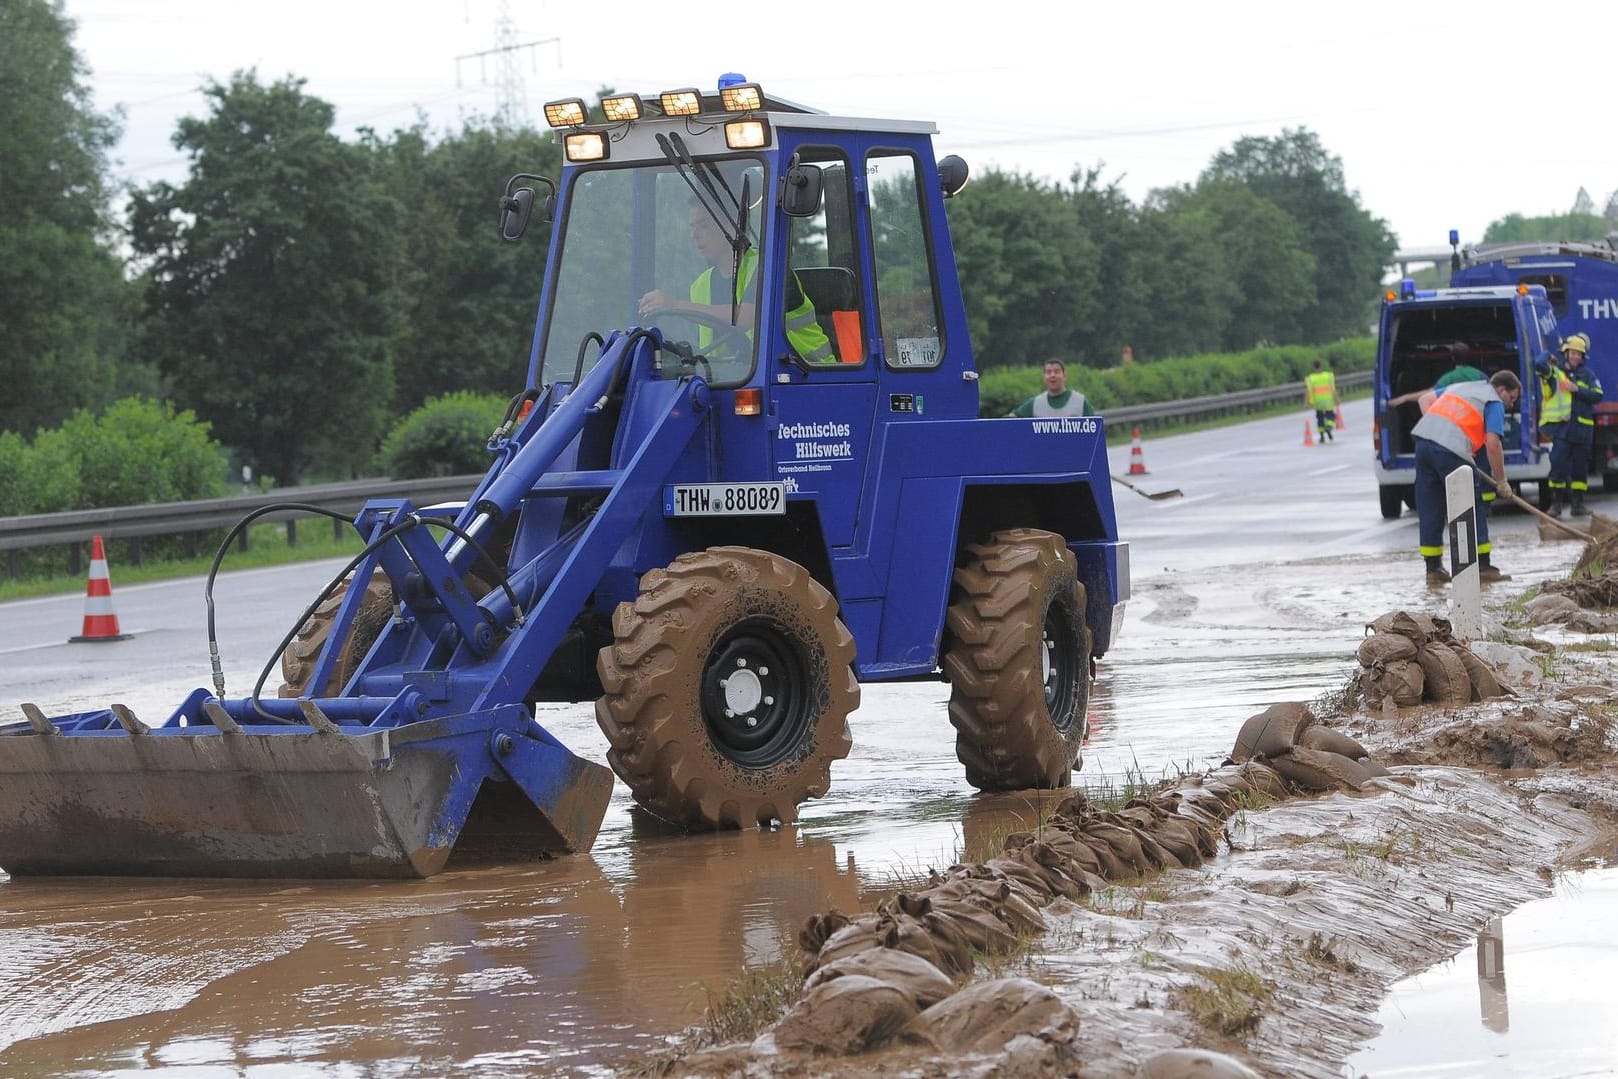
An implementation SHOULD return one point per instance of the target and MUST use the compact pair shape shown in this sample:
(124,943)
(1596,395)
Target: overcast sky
(1444,114)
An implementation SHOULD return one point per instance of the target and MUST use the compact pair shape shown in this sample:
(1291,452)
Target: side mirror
(515,210)
(952,173)
(801,189)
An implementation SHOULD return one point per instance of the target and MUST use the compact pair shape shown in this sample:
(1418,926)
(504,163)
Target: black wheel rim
(755,694)
(1059,659)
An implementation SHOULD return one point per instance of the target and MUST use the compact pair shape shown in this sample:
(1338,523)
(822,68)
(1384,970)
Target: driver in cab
(712,290)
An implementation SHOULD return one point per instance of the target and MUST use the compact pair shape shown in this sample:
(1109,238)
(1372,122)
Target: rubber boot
(1487,574)
(1437,575)
(1558,498)
(1579,509)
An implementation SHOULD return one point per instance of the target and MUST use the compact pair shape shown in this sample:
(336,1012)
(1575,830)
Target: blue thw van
(1425,333)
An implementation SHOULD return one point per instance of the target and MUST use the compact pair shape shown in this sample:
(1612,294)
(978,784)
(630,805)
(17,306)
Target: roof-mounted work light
(620,108)
(680,102)
(741,97)
(747,134)
(569,112)
(586,146)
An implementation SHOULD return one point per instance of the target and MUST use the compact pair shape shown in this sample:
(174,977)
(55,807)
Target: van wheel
(1017,656)
(727,689)
(1393,502)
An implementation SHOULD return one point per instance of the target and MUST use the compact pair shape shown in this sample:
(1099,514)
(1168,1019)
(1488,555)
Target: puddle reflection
(1559,1018)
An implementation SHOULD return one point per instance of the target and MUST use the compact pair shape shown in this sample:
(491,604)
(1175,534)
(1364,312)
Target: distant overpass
(1403,260)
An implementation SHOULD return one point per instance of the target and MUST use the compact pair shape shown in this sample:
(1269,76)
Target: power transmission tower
(513,108)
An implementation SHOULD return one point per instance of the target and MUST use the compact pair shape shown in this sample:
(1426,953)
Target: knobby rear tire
(1017,657)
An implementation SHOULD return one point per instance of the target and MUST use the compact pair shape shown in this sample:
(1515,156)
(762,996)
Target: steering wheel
(730,343)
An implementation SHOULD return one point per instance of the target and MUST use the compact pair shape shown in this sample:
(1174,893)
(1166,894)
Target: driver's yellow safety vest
(803,331)
(1322,388)
(1557,400)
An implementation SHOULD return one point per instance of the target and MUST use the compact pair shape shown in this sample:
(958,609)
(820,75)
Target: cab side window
(824,268)
(907,295)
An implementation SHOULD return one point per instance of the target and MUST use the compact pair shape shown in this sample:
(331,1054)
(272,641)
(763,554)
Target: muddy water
(1252,588)
(1532,999)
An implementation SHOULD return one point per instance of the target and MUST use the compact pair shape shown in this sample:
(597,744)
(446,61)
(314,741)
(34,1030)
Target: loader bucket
(84,794)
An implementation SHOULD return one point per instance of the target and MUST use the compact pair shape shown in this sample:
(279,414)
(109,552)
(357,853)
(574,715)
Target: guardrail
(1225,404)
(74,528)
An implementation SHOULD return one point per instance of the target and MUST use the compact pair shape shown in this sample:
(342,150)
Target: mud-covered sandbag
(1010,902)
(1591,622)
(845,1015)
(1059,875)
(1416,625)
(1484,683)
(853,936)
(1444,674)
(922,983)
(1193,1064)
(1125,843)
(1272,731)
(1385,648)
(818,928)
(1332,741)
(954,921)
(1401,683)
(1548,608)
(1318,770)
(1063,837)
(1514,665)
(1174,833)
(1030,875)
(1263,779)
(988,1016)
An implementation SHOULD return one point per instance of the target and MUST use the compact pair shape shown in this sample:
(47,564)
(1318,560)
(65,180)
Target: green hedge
(1003,388)
(446,436)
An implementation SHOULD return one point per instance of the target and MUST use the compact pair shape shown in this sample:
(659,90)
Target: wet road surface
(1252,588)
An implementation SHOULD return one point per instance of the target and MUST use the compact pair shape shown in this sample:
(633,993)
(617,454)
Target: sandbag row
(891,973)
(1408,658)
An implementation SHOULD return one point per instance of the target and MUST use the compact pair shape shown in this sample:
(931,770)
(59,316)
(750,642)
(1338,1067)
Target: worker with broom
(1569,417)
(1464,418)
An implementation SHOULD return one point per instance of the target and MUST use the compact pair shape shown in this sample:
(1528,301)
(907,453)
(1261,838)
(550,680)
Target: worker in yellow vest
(714,292)
(1320,387)
(1568,417)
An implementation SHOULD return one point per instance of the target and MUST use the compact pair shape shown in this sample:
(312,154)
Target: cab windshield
(640,247)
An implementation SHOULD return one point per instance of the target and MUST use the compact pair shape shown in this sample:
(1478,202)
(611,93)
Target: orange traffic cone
(100,620)
(1308,433)
(1337,419)
(1137,461)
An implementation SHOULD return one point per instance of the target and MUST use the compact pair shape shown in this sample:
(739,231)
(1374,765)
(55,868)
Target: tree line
(300,294)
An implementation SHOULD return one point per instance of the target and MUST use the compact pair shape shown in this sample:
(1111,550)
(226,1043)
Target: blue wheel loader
(748,473)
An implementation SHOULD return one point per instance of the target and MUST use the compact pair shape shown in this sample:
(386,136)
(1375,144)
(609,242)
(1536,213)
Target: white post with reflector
(1466,590)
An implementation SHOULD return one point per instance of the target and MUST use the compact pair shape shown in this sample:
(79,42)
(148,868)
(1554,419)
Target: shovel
(1171,492)
(1576,533)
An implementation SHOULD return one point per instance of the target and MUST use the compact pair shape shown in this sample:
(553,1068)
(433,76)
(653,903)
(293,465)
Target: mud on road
(1276,951)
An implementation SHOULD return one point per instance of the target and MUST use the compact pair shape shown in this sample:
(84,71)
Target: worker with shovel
(1466,417)
(1569,417)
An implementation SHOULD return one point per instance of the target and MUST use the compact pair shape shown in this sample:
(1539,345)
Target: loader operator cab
(678,246)
(828,235)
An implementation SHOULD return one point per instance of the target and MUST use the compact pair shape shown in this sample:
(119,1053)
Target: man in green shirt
(1057,400)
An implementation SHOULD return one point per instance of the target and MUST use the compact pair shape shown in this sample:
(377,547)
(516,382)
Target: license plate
(724,499)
